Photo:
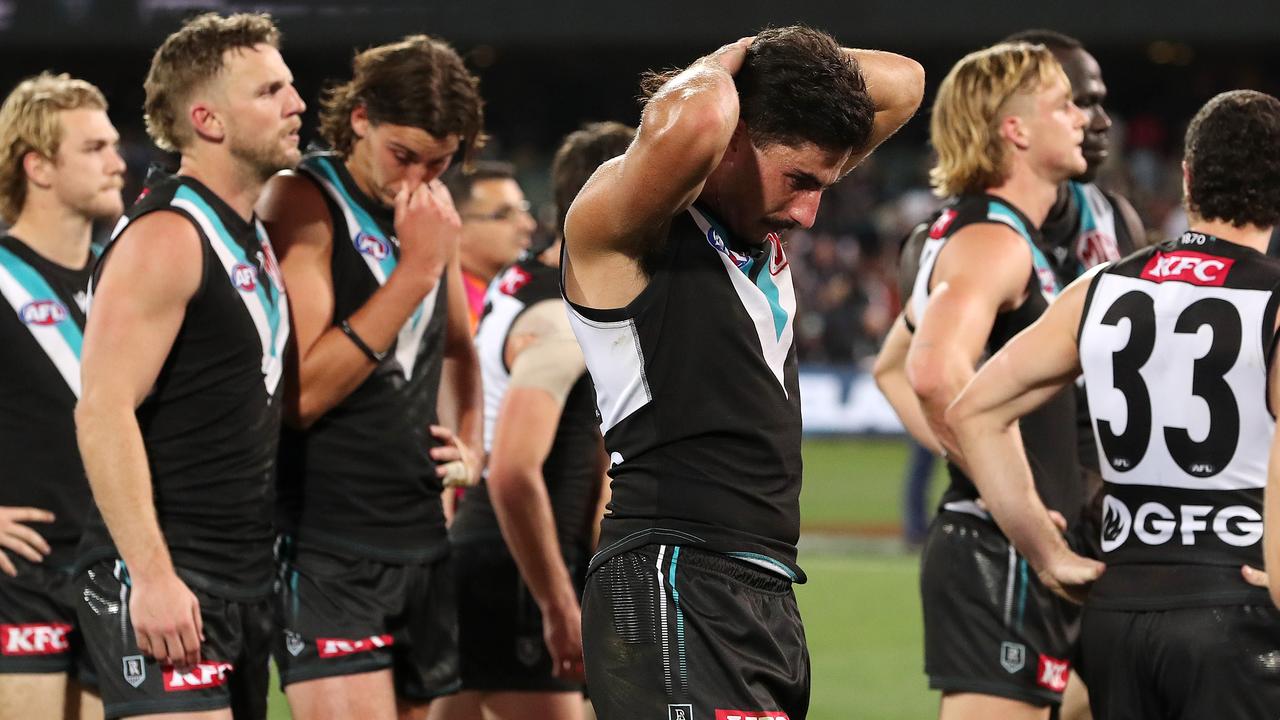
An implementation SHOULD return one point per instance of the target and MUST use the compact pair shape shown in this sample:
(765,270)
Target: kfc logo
(512,280)
(1095,248)
(938,230)
(338,647)
(1189,267)
(1052,673)
(34,639)
(750,715)
(197,677)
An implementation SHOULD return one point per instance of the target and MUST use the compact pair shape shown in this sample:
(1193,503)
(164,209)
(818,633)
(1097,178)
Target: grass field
(861,606)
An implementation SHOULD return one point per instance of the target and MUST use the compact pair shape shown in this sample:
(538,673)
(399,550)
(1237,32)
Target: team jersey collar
(383,213)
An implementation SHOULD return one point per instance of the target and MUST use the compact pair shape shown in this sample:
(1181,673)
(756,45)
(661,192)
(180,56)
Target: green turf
(861,611)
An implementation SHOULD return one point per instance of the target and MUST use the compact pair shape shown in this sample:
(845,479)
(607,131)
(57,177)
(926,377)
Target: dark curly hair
(418,82)
(797,85)
(1233,159)
(578,157)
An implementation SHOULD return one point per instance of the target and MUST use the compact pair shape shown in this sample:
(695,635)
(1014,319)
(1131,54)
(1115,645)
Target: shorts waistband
(741,570)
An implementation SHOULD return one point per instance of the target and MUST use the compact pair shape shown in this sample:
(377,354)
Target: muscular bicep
(543,353)
(139,302)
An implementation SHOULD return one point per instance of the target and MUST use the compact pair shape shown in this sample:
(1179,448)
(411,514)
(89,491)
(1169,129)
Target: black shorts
(499,624)
(1213,662)
(233,658)
(39,632)
(990,627)
(341,615)
(682,634)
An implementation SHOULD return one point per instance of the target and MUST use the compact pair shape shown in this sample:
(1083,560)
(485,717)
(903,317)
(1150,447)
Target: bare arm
(890,372)
(138,307)
(1271,499)
(1026,373)
(896,86)
(465,394)
(327,365)
(545,362)
(981,271)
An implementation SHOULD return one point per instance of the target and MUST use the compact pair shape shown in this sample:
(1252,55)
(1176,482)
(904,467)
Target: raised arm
(327,365)
(545,362)
(981,271)
(152,272)
(1025,374)
(896,86)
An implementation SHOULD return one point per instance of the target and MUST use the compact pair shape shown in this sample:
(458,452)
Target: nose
(416,174)
(1101,121)
(1081,120)
(295,105)
(115,162)
(527,221)
(804,209)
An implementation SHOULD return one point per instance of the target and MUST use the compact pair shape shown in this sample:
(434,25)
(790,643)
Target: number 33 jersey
(1175,343)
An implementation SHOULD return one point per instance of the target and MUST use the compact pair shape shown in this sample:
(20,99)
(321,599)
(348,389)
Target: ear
(206,121)
(739,141)
(360,120)
(1014,129)
(39,169)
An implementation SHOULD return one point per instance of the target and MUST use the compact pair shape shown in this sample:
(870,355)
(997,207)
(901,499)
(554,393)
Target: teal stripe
(35,284)
(997,210)
(1087,221)
(1022,590)
(675,597)
(363,218)
(757,556)
(764,281)
(224,237)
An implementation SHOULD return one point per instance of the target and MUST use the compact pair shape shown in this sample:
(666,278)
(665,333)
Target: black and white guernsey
(699,400)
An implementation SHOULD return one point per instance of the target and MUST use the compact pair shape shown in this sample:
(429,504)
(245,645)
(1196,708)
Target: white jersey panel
(491,342)
(616,362)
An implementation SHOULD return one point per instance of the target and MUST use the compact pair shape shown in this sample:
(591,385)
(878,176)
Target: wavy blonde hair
(972,100)
(29,122)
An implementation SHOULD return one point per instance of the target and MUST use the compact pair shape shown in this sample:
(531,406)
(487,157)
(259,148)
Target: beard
(263,156)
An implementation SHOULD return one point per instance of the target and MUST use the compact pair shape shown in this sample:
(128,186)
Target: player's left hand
(456,464)
(1254,576)
(1071,575)
(562,632)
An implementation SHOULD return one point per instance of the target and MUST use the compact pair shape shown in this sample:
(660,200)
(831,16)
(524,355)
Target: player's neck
(1028,192)
(235,184)
(56,232)
(1250,236)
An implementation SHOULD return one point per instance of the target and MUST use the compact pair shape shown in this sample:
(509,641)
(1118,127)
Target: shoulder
(290,197)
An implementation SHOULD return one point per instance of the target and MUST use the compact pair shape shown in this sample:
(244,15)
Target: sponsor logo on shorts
(43,312)
(245,277)
(34,639)
(1189,267)
(197,677)
(1013,656)
(339,647)
(371,245)
(679,712)
(1052,673)
(1157,524)
(293,642)
(750,715)
(135,669)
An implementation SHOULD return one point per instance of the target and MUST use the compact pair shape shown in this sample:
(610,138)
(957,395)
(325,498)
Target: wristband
(369,352)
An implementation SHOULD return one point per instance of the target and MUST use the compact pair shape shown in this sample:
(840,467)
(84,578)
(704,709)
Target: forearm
(896,388)
(523,509)
(894,82)
(333,366)
(937,386)
(120,478)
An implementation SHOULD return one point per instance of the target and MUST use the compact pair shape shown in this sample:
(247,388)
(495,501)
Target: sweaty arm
(326,365)
(890,372)
(981,271)
(545,362)
(153,270)
(1026,373)
(625,207)
(896,86)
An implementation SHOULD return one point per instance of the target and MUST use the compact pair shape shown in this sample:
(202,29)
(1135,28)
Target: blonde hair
(965,126)
(190,58)
(29,122)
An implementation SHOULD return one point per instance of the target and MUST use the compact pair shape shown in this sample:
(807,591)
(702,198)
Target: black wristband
(369,352)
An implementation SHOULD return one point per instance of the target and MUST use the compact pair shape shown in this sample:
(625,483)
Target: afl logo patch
(245,277)
(43,312)
(371,245)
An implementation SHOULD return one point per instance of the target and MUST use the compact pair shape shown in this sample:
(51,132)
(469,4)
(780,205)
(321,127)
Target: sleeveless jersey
(698,393)
(211,424)
(42,316)
(1175,343)
(360,478)
(571,470)
(1048,433)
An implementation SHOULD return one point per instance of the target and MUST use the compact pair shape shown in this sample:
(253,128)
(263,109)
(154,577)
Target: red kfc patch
(338,647)
(1189,267)
(939,228)
(750,715)
(513,279)
(34,639)
(197,677)
(1052,673)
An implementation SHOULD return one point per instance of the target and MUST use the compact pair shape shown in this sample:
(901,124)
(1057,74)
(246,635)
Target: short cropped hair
(1233,159)
(966,117)
(578,157)
(29,122)
(460,180)
(187,60)
(796,86)
(418,82)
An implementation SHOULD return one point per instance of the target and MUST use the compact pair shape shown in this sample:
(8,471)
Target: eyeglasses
(502,214)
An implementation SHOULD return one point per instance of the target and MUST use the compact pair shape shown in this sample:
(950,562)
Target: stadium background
(548,66)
